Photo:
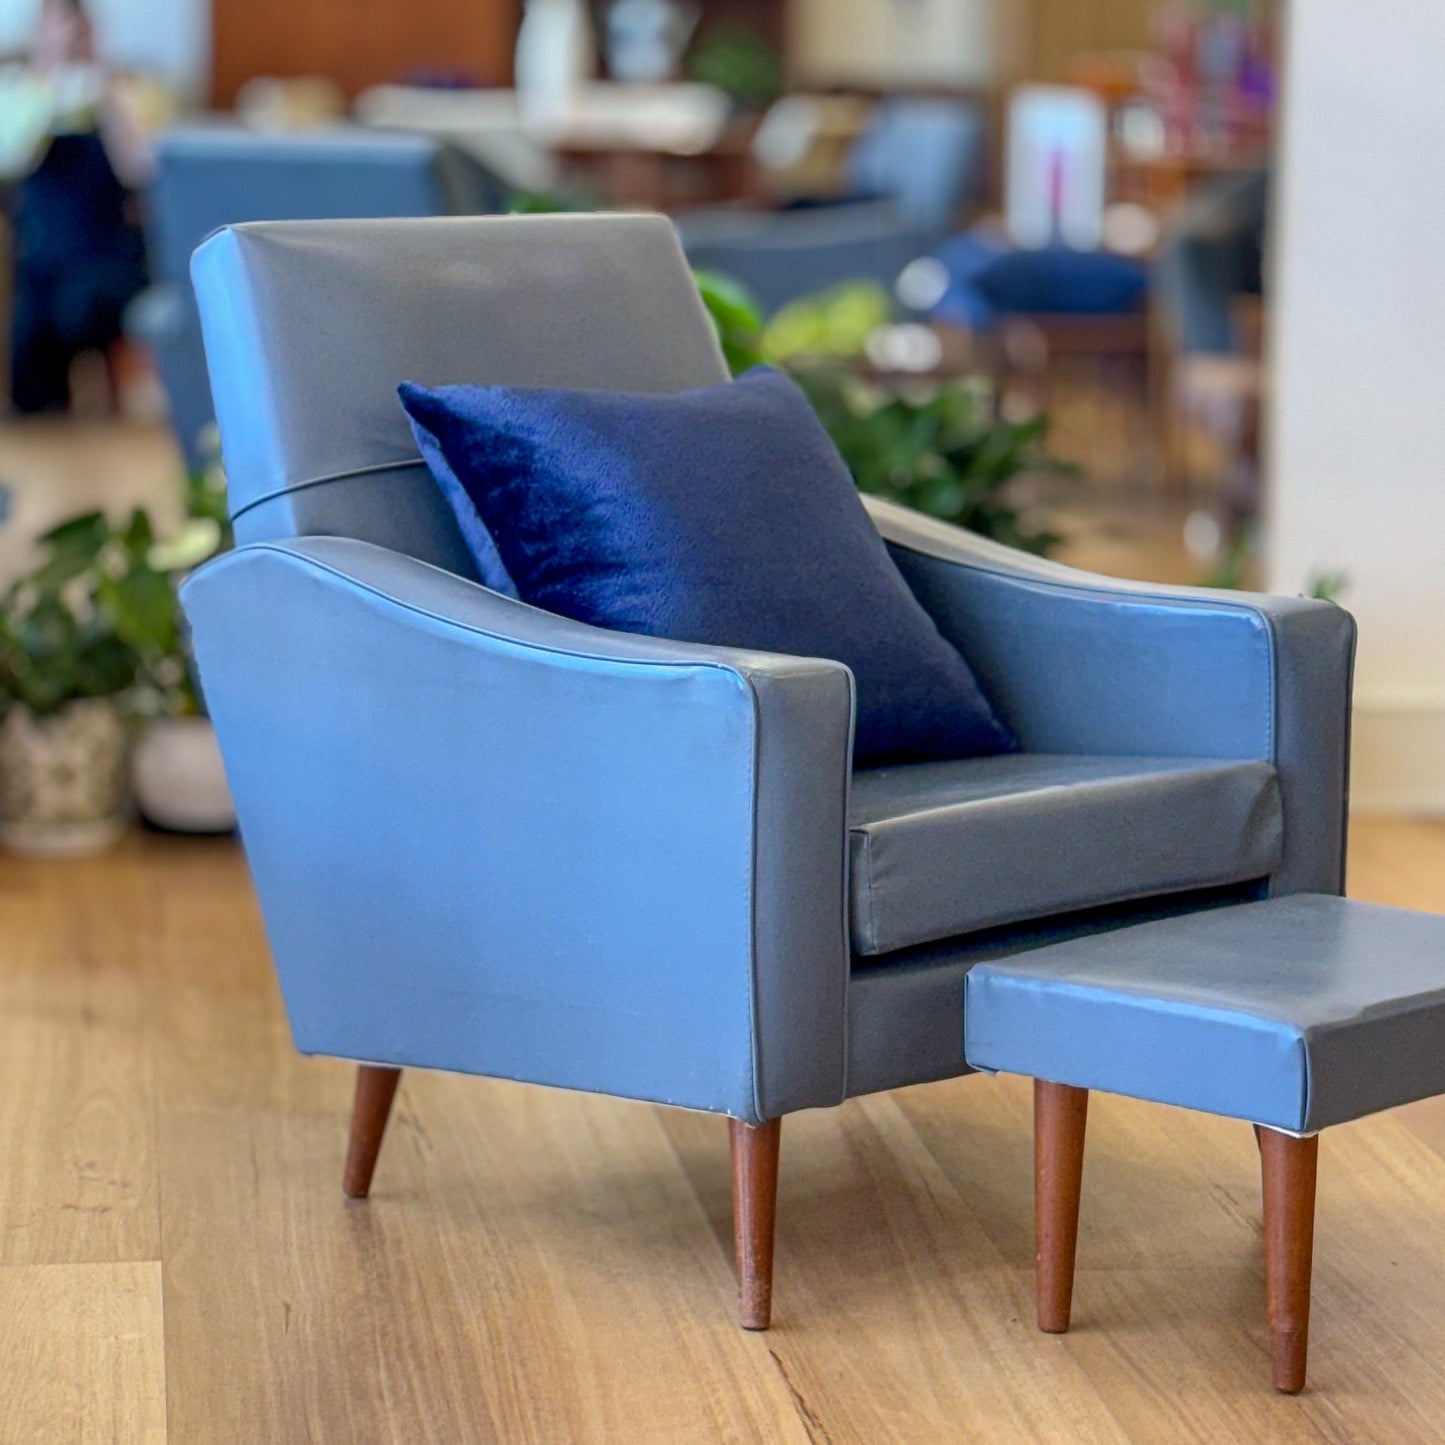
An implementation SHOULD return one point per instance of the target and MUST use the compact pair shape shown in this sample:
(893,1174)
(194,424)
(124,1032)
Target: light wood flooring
(177,1261)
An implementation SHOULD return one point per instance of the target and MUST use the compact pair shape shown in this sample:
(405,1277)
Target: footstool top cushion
(1296,1013)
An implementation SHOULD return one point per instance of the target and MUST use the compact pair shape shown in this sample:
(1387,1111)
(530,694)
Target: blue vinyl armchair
(489,839)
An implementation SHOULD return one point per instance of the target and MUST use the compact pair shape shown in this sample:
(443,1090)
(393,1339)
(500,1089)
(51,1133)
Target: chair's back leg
(755,1212)
(375,1089)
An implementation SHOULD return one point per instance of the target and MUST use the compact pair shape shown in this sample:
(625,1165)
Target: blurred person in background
(72,150)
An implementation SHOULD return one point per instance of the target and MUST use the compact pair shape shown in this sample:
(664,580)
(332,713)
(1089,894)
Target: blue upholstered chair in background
(489,839)
(917,167)
(212,176)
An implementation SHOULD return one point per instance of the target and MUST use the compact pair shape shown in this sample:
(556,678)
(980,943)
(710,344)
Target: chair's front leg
(375,1089)
(1289,1167)
(1061,1113)
(755,1212)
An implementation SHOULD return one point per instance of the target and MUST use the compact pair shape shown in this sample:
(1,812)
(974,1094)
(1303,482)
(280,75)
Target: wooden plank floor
(177,1262)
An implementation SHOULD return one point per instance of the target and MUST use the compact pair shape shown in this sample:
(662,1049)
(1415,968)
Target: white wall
(880,42)
(1357,447)
(168,37)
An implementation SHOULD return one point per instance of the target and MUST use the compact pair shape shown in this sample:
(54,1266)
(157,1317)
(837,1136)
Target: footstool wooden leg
(1060,1114)
(1289,1167)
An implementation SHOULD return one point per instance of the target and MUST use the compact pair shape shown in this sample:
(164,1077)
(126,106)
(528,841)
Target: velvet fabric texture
(722,515)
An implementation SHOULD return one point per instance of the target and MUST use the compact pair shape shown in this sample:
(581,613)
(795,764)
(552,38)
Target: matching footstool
(1294,1014)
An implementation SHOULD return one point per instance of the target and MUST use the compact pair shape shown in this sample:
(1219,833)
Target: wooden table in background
(636,176)
(1164,182)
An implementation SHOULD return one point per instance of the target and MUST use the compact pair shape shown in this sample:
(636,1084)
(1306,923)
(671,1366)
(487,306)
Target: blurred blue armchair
(211,176)
(489,839)
(912,173)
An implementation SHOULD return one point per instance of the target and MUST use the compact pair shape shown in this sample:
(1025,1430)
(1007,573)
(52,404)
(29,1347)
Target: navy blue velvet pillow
(723,515)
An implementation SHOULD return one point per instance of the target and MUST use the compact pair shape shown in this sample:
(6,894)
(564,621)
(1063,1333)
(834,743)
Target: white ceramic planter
(62,778)
(178,778)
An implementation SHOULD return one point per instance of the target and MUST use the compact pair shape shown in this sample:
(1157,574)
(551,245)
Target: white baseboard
(1398,754)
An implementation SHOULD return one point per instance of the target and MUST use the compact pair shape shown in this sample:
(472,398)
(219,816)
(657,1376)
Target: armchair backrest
(310,326)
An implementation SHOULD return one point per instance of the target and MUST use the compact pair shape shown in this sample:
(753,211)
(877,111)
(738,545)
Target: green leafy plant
(88,619)
(545,203)
(835,324)
(739,62)
(1231,570)
(169,685)
(1329,586)
(937,446)
(1232,563)
(735,318)
(98,616)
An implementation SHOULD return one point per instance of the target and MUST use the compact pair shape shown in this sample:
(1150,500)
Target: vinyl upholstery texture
(490,839)
(1296,1013)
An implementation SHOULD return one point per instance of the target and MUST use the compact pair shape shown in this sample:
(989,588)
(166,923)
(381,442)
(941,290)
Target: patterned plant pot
(178,778)
(62,778)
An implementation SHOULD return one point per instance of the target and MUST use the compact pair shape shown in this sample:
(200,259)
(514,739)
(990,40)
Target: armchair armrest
(1079,663)
(489,839)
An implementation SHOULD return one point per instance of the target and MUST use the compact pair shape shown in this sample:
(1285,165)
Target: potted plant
(940,448)
(72,637)
(177,775)
(91,640)
(937,445)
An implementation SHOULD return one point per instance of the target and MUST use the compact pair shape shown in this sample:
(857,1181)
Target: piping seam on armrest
(737,671)
(741,675)
(1089,588)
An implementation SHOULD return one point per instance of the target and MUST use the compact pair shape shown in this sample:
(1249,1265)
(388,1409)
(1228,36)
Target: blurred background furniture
(1214,252)
(772,128)
(1209,283)
(650,147)
(1043,298)
(210,176)
(906,181)
(658,175)
(485,123)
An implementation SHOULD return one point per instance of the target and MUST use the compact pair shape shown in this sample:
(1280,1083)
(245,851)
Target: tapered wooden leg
(1060,1115)
(755,1212)
(375,1089)
(1289,1166)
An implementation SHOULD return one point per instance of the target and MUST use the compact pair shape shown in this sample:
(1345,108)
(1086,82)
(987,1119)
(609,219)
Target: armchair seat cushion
(941,849)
